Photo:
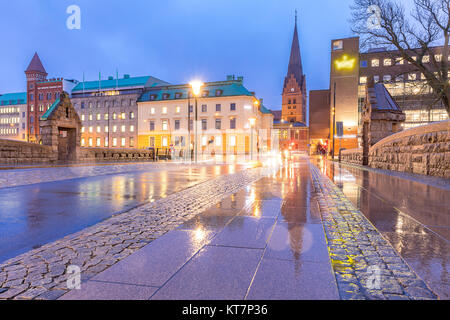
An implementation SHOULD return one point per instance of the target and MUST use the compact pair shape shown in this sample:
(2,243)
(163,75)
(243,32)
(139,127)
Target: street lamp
(252,124)
(196,89)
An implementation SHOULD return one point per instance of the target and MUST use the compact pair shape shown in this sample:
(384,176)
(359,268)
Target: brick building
(41,94)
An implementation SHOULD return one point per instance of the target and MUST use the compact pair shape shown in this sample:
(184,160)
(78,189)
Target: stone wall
(18,152)
(354,156)
(115,154)
(423,150)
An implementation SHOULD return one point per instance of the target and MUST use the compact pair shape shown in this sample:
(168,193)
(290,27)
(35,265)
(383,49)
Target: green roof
(264,110)
(50,110)
(146,81)
(211,89)
(11,99)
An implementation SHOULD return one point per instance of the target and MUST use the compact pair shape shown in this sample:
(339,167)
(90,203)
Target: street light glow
(196,86)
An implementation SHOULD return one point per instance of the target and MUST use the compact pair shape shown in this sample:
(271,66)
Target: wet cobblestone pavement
(41,273)
(365,265)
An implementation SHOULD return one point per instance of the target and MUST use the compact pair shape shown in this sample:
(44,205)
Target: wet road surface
(413,216)
(33,215)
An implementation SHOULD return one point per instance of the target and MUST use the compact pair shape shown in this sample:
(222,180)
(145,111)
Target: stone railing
(18,152)
(423,150)
(115,154)
(354,156)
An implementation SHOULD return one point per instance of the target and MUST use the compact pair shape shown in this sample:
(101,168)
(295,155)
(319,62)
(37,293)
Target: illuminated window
(99,116)
(114,116)
(114,128)
(91,129)
(164,110)
(204,141)
(106,129)
(177,109)
(164,125)
(106,142)
(399,61)
(123,116)
(338,45)
(131,142)
(123,142)
(99,129)
(363,80)
(412,76)
(218,141)
(90,142)
(376,79)
(114,142)
(83,142)
(90,117)
(131,128)
(387,62)
(131,115)
(426,59)
(122,128)
(386,78)
(82,129)
(375,63)
(98,142)
(106,116)
(164,142)
(82,117)
(438,57)
(152,111)
(232,141)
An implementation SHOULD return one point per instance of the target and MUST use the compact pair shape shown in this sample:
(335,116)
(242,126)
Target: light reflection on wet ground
(414,217)
(36,214)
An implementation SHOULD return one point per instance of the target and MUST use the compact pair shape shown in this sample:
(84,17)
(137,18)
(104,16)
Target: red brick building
(41,94)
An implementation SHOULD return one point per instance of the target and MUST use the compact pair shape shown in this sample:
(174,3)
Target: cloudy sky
(174,40)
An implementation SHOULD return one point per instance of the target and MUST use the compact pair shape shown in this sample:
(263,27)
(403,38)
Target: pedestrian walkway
(264,242)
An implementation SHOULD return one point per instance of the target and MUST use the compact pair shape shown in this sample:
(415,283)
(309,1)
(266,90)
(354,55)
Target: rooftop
(125,82)
(11,99)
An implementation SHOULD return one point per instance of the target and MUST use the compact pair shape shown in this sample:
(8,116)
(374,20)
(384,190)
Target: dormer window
(205,93)
(166,96)
(152,96)
(178,95)
(219,92)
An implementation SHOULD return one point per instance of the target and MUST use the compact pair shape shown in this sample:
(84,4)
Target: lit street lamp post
(196,88)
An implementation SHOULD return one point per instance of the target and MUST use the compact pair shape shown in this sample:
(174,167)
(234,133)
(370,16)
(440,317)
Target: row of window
(113,103)
(387,62)
(49,96)
(9,110)
(106,129)
(204,124)
(412,76)
(203,108)
(179,95)
(115,116)
(115,142)
(9,131)
(9,120)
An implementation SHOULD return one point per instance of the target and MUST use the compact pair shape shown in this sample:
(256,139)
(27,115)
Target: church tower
(294,89)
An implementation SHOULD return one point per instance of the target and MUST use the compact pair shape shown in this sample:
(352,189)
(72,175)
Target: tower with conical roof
(35,73)
(294,88)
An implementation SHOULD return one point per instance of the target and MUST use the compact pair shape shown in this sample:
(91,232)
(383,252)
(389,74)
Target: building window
(123,128)
(151,141)
(386,78)
(99,143)
(438,57)
(83,142)
(106,129)
(387,62)
(233,107)
(218,107)
(106,142)
(363,63)
(82,117)
(90,142)
(338,45)
(399,61)
(114,116)
(123,142)
(90,117)
(233,123)
(204,124)
(91,129)
(131,115)
(82,129)
(218,124)
(218,141)
(177,109)
(412,77)
(375,63)
(164,125)
(426,59)
(204,108)
(99,116)
(106,116)
(191,109)
(204,141)
(362,80)
(152,110)
(191,125)
(131,142)
(82,105)
(177,124)
(114,128)
(164,110)
(114,142)
(376,79)
(232,141)
(99,129)
(152,125)
(123,116)
(131,128)
(164,142)
(399,78)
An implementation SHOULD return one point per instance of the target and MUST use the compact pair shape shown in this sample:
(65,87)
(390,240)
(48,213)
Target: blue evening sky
(174,40)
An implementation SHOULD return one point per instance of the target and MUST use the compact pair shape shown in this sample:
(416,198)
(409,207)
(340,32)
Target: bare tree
(384,23)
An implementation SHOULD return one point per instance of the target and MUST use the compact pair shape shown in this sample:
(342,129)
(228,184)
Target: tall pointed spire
(295,61)
(36,65)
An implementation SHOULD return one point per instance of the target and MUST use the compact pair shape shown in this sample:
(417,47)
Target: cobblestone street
(256,233)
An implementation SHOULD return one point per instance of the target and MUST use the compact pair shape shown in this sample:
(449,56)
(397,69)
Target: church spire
(295,61)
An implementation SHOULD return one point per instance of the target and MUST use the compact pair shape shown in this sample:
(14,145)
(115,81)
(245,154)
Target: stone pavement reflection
(265,241)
